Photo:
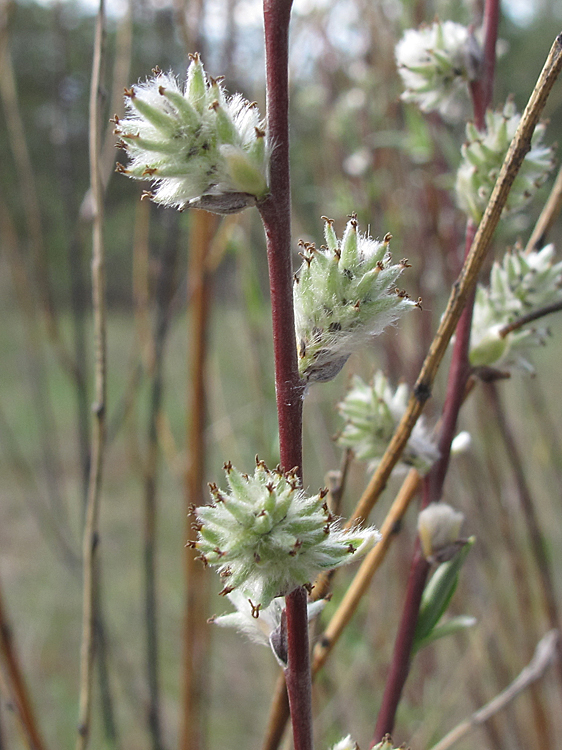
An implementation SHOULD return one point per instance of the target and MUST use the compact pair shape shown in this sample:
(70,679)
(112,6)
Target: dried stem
(364,575)
(164,292)
(536,536)
(545,654)
(548,216)
(196,630)
(27,186)
(279,712)
(90,539)
(16,685)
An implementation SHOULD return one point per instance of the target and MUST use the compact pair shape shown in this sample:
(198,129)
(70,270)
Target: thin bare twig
(545,654)
(548,216)
(16,685)
(27,186)
(536,536)
(196,630)
(90,539)
(164,294)
(529,318)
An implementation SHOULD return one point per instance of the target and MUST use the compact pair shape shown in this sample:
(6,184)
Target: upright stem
(195,628)
(164,292)
(9,661)
(276,216)
(90,539)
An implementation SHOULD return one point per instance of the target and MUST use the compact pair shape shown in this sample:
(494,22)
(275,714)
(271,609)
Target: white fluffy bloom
(344,294)
(260,625)
(519,285)
(199,147)
(372,412)
(434,62)
(483,155)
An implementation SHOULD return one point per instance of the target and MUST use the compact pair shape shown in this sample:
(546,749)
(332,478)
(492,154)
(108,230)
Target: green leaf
(438,594)
(450,627)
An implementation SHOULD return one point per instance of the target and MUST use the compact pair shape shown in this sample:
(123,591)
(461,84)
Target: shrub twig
(90,538)
(545,654)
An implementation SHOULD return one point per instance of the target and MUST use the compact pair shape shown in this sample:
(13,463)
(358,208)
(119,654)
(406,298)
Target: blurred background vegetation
(355,147)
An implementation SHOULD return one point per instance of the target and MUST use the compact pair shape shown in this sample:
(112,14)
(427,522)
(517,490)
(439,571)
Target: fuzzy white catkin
(521,283)
(434,63)
(199,147)
(344,294)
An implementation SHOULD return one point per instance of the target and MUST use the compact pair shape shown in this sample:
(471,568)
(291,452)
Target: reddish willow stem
(459,373)
(276,216)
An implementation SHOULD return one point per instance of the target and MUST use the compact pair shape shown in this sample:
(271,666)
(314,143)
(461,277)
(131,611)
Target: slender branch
(28,192)
(195,628)
(529,318)
(164,293)
(276,216)
(482,89)
(467,279)
(364,575)
(548,216)
(16,685)
(90,539)
(545,654)
(536,536)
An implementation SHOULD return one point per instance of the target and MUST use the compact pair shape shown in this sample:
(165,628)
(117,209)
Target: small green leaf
(450,627)
(438,594)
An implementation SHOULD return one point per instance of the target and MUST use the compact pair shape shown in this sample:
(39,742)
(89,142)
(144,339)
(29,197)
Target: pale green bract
(483,154)
(519,285)
(372,412)
(433,62)
(267,537)
(199,147)
(344,293)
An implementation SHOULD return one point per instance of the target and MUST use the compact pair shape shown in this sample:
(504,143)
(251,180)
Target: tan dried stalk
(90,538)
(548,216)
(196,629)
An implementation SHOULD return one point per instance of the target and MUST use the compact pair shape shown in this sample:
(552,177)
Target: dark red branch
(276,216)
(482,89)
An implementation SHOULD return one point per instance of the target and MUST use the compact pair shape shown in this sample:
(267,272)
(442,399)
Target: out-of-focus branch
(545,654)
(548,216)
(90,546)
(16,685)
(196,629)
